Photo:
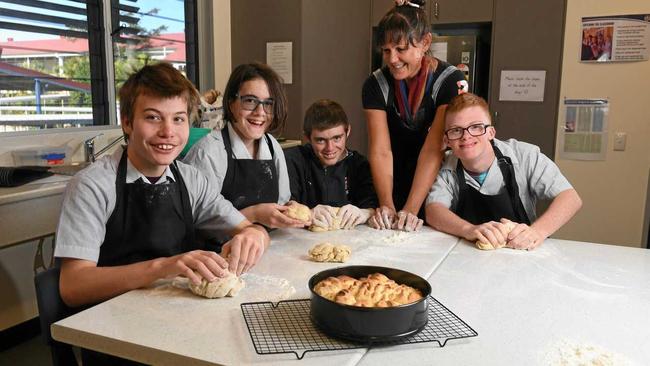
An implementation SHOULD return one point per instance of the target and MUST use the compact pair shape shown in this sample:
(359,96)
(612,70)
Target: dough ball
(487,246)
(327,252)
(298,211)
(335,225)
(222,286)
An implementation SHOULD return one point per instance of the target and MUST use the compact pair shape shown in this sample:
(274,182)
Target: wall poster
(584,135)
(617,38)
(279,56)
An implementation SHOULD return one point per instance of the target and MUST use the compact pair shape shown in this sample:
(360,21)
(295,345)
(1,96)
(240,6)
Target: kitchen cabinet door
(460,11)
(379,9)
(528,35)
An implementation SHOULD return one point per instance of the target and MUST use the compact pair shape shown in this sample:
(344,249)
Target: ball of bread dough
(487,246)
(327,252)
(298,211)
(335,225)
(229,285)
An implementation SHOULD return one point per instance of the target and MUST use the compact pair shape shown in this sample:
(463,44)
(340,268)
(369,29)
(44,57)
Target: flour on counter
(267,288)
(390,237)
(397,237)
(567,353)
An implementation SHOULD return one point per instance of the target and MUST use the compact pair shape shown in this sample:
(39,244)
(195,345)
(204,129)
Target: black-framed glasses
(250,103)
(477,129)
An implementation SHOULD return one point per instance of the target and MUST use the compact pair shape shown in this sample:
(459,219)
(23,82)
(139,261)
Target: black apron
(478,208)
(149,220)
(407,139)
(249,181)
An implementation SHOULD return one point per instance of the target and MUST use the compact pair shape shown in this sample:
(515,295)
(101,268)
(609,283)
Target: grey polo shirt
(209,155)
(90,198)
(537,177)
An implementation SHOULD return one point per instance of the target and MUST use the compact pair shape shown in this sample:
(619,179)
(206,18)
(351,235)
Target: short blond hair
(464,101)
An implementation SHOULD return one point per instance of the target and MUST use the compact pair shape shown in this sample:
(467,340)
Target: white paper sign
(439,50)
(278,56)
(522,85)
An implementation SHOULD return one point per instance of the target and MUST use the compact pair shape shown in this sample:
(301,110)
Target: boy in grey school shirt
(129,219)
(485,182)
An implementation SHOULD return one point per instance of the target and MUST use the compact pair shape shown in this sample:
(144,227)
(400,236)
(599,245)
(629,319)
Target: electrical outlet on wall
(620,139)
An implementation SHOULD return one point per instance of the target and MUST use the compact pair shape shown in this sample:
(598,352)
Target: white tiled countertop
(168,325)
(540,307)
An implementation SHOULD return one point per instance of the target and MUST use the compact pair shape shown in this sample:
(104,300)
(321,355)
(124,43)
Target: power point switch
(620,138)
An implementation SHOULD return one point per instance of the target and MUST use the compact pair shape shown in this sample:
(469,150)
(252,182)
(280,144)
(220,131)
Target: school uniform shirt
(349,181)
(537,177)
(209,155)
(90,199)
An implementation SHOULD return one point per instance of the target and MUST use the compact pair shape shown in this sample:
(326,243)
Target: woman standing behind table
(404,104)
(243,158)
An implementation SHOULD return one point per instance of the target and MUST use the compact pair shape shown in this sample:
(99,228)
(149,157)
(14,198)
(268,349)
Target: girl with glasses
(243,159)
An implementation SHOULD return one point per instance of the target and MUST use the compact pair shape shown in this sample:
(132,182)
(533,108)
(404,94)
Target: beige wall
(615,190)
(222,50)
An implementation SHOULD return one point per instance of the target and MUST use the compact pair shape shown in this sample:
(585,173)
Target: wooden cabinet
(379,9)
(528,35)
(443,11)
(460,11)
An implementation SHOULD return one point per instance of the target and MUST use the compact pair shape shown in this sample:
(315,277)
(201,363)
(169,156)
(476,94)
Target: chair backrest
(51,309)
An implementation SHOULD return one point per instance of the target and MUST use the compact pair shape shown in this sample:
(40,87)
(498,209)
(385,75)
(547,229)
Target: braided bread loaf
(375,290)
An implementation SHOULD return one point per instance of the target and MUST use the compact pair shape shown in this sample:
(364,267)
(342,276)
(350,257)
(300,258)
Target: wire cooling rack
(285,327)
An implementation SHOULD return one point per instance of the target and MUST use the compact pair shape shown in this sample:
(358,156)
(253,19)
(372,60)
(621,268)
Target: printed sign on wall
(279,57)
(522,85)
(615,38)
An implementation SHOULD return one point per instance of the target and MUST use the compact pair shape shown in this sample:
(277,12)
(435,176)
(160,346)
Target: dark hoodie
(347,182)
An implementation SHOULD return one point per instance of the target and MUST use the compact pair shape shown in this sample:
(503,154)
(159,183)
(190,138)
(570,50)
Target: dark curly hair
(404,22)
(324,114)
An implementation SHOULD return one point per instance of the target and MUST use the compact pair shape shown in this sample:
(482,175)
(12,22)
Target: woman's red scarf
(413,90)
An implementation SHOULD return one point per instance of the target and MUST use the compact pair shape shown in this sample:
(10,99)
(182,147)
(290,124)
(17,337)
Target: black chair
(51,309)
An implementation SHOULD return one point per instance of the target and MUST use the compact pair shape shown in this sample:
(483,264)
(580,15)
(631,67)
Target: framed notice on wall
(617,38)
(583,133)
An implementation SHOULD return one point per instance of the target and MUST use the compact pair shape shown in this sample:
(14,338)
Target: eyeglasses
(477,129)
(250,103)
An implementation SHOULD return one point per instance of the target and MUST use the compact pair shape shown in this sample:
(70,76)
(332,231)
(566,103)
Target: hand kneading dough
(327,252)
(222,286)
(335,225)
(298,211)
(487,246)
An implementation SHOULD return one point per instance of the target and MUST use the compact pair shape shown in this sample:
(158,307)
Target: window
(57,58)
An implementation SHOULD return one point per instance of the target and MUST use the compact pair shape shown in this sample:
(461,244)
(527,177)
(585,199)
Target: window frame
(102,25)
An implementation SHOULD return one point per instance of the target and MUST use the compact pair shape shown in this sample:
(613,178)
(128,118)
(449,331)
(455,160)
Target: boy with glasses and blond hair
(487,189)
